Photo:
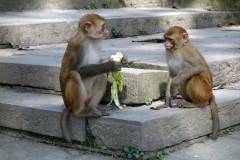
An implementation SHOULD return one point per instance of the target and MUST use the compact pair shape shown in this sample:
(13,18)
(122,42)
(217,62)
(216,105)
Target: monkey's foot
(96,112)
(185,104)
(160,107)
(105,112)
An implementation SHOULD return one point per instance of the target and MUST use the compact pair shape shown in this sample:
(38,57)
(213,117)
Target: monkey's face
(169,43)
(175,38)
(98,31)
(104,30)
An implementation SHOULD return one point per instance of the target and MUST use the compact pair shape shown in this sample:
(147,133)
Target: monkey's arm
(95,69)
(124,60)
(193,65)
(167,102)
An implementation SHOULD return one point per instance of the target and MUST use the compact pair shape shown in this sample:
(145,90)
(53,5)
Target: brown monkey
(190,74)
(83,75)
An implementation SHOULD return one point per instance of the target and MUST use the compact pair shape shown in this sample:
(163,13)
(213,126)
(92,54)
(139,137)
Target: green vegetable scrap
(117,84)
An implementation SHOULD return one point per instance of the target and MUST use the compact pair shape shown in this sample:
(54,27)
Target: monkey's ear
(185,37)
(88,26)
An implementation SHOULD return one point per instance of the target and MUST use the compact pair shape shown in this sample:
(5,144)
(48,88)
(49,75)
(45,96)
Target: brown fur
(83,75)
(189,74)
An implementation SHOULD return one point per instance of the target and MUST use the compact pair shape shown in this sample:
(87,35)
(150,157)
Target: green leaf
(159,153)
(142,153)
(137,156)
(165,152)
(129,156)
(126,149)
(132,150)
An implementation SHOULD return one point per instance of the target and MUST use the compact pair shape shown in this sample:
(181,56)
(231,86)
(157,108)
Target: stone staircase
(30,97)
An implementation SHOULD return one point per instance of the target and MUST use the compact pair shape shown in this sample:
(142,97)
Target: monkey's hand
(124,60)
(115,66)
(116,75)
(173,90)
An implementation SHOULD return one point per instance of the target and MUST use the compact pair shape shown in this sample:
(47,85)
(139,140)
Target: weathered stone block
(38,113)
(226,71)
(139,85)
(148,130)
(37,76)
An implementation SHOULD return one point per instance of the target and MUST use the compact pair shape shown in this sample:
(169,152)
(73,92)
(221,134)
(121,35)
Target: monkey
(189,75)
(83,73)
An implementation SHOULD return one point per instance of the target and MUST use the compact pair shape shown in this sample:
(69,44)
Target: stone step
(38,67)
(38,113)
(149,130)
(137,127)
(138,84)
(92,4)
(30,28)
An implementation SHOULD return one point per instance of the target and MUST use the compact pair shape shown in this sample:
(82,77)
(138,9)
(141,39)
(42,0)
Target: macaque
(83,74)
(189,74)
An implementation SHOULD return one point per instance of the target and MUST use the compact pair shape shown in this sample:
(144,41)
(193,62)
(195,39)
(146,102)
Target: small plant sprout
(106,4)
(94,5)
(87,7)
(162,154)
(168,22)
(149,101)
(228,130)
(115,32)
(132,153)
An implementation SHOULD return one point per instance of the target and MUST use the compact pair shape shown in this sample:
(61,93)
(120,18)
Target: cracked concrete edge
(166,128)
(76,4)
(47,77)
(38,113)
(61,32)
(138,85)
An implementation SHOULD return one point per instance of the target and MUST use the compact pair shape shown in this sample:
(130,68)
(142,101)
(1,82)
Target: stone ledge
(38,113)
(60,31)
(139,84)
(137,127)
(149,130)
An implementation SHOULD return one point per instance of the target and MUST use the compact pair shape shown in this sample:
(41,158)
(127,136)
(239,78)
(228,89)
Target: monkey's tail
(64,116)
(215,119)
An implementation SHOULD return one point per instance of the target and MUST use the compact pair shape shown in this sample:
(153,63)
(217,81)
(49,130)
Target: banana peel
(117,84)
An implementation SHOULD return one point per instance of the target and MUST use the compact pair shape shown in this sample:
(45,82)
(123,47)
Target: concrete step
(140,127)
(92,4)
(138,84)
(149,130)
(38,67)
(30,28)
(38,113)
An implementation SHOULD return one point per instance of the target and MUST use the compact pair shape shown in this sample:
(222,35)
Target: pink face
(169,43)
(104,30)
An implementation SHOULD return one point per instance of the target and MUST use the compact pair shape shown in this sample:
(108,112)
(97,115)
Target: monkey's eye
(168,39)
(103,26)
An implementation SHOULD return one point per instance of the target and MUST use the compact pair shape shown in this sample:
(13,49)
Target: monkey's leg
(97,92)
(196,92)
(76,95)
